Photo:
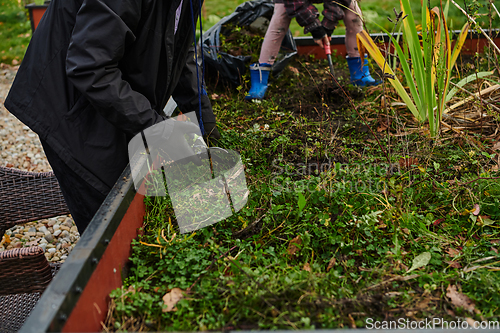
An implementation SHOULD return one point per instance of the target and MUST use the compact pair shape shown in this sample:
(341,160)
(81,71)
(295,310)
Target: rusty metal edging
(382,37)
(57,302)
(474,43)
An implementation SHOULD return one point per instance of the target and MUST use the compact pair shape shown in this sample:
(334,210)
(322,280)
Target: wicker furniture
(28,196)
(25,272)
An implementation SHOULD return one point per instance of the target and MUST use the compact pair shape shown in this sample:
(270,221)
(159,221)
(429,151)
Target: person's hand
(325,41)
(166,141)
(321,36)
(178,149)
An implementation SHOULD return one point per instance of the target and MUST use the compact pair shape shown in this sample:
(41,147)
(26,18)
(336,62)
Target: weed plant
(240,41)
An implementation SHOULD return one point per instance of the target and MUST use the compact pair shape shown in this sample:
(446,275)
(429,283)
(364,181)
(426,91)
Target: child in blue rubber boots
(307,16)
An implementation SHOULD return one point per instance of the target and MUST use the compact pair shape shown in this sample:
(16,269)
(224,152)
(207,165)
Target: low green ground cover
(15,32)
(354,216)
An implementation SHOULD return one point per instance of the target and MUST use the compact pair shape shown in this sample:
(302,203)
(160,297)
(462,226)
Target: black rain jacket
(96,73)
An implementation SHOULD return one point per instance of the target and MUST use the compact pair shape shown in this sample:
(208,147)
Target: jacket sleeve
(334,12)
(186,91)
(103,29)
(304,12)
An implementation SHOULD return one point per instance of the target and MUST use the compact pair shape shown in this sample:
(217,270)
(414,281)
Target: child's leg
(278,27)
(353,24)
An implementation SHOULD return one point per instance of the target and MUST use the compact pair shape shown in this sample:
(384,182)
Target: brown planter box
(36,13)
(475,42)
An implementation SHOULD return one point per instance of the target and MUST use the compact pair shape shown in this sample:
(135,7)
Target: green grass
(374,11)
(15,32)
(326,249)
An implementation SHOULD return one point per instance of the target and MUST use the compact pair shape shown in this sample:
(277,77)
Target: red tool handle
(328,50)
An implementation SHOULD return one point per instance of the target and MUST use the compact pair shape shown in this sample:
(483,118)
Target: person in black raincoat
(95,74)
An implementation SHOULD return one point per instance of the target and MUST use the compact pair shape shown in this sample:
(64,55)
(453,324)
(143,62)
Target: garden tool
(328,52)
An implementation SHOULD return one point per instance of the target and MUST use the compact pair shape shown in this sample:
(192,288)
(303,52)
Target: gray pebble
(57,232)
(21,148)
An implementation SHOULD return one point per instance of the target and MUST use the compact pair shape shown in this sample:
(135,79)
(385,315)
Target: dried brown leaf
(293,69)
(496,146)
(307,267)
(293,246)
(5,240)
(423,304)
(407,162)
(458,299)
(452,252)
(471,322)
(352,323)
(171,298)
(450,312)
(331,263)
(383,123)
(454,264)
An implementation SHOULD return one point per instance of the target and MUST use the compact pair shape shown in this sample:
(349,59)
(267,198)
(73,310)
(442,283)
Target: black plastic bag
(231,68)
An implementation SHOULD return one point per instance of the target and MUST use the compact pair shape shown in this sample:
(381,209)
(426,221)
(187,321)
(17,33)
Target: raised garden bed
(395,227)
(366,240)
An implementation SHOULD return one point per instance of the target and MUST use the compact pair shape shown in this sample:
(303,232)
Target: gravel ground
(20,148)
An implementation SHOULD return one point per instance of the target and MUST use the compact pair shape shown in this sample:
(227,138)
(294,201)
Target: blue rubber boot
(259,75)
(360,73)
